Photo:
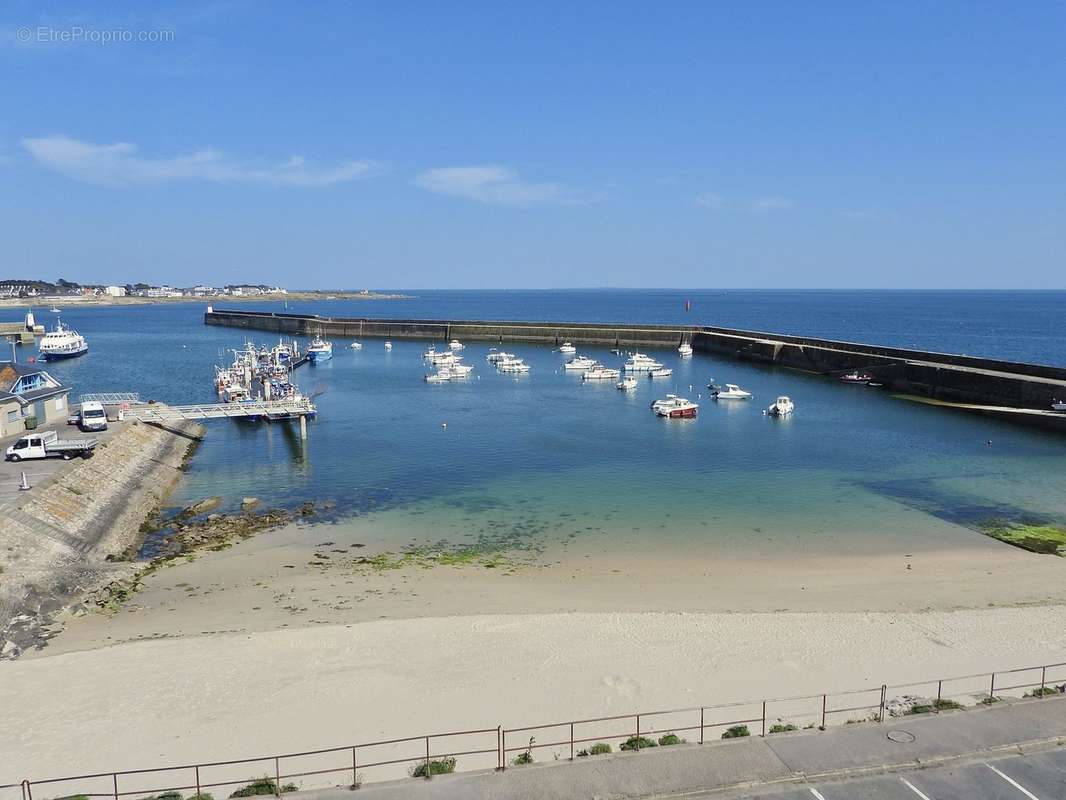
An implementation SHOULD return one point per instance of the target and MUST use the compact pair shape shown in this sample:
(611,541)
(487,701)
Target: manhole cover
(903,737)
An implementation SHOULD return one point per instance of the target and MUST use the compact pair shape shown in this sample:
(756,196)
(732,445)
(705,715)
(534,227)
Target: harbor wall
(943,376)
(55,539)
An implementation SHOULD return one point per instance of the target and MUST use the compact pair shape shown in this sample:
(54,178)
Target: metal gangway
(111,398)
(272,410)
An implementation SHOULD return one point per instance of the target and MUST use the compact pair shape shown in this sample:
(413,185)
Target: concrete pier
(941,376)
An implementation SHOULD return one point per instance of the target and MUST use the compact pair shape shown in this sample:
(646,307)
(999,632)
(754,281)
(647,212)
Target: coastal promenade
(991,386)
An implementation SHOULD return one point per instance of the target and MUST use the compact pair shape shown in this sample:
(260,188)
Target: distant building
(115,291)
(27,391)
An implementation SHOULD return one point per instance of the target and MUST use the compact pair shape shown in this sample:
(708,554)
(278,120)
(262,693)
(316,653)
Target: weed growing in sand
(638,743)
(785,728)
(736,732)
(264,785)
(1042,691)
(441,766)
(671,738)
(525,757)
(598,749)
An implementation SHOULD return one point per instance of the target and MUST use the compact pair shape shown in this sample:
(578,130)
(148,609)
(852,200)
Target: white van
(92,417)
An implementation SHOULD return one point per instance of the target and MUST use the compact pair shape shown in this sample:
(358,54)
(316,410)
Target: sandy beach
(265,647)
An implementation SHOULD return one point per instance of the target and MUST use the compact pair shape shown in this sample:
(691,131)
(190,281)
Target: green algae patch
(429,557)
(1037,538)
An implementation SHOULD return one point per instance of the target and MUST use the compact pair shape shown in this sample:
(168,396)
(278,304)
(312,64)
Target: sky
(535,145)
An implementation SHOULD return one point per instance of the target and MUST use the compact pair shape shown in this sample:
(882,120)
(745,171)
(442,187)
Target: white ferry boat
(62,343)
(674,407)
(601,373)
(782,407)
(319,350)
(638,362)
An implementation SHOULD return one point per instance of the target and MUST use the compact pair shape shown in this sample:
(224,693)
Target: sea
(518,461)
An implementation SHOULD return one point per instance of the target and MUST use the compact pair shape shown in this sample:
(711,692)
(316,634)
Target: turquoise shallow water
(543,457)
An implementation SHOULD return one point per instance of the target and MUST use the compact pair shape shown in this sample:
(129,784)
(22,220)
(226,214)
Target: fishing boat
(601,373)
(566,347)
(62,343)
(446,357)
(685,350)
(660,372)
(674,407)
(782,407)
(729,392)
(638,362)
(495,356)
(581,363)
(388,344)
(512,365)
(319,350)
(856,377)
(356,345)
(459,370)
(442,375)
(627,384)
(455,344)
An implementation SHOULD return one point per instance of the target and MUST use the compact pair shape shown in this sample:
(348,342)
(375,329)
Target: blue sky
(547,144)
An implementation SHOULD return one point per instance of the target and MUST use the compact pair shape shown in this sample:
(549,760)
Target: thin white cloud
(715,202)
(120,164)
(772,204)
(496,185)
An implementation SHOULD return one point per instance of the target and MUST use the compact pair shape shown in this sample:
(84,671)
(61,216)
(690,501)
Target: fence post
(1043,676)
(277,777)
(429,771)
(764,719)
(198,792)
(701,725)
(992,688)
(823,710)
(27,789)
(884,699)
(355,771)
(939,691)
(571,741)
(503,749)
(499,747)
(114,783)
(638,733)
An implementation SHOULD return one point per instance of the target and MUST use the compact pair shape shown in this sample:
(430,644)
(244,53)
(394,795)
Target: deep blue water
(543,454)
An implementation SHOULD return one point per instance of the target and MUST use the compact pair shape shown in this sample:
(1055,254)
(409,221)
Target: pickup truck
(48,445)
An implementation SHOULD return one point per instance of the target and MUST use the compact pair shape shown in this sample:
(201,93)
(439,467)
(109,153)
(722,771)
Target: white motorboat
(442,358)
(1058,405)
(580,363)
(514,365)
(455,344)
(62,343)
(356,345)
(685,350)
(660,372)
(627,384)
(54,309)
(674,407)
(440,376)
(782,407)
(460,370)
(566,347)
(638,362)
(601,373)
(388,345)
(729,392)
(495,356)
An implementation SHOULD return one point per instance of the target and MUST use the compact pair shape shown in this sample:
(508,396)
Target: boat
(580,363)
(729,392)
(685,350)
(455,344)
(660,372)
(601,373)
(62,343)
(54,310)
(782,407)
(356,345)
(460,370)
(627,384)
(566,347)
(495,356)
(1058,405)
(440,376)
(674,407)
(638,362)
(512,365)
(388,344)
(856,377)
(319,350)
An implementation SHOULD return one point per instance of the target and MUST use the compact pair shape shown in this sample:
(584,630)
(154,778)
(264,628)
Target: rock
(10,650)
(214,517)
(249,503)
(203,506)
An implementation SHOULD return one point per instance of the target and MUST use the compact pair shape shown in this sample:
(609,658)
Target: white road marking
(915,789)
(1013,783)
(817,794)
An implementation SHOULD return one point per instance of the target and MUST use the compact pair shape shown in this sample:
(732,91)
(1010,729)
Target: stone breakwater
(56,540)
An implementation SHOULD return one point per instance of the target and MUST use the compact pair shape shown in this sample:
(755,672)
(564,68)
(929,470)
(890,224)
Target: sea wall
(55,540)
(943,376)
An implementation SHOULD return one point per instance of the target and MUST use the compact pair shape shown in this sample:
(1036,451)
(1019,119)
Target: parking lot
(39,471)
(1041,776)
